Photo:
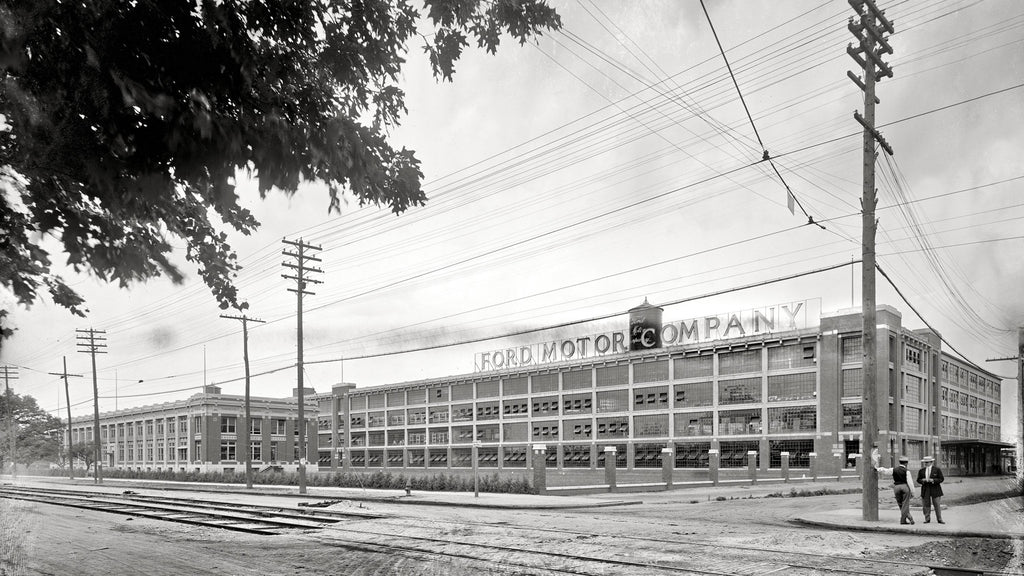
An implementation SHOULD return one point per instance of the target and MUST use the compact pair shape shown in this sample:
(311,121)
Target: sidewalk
(996,519)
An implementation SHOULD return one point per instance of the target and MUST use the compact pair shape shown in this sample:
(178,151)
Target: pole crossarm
(874,133)
(91,341)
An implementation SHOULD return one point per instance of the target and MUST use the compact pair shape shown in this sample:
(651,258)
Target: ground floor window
(227,450)
(576,456)
(799,453)
(850,447)
(417,459)
(438,458)
(514,457)
(647,455)
(734,454)
(358,459)
(621,458)
(692,454)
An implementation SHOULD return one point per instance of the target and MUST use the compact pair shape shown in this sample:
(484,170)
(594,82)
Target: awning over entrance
(977,443)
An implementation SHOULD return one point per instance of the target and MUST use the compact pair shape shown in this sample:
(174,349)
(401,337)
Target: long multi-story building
(756,383)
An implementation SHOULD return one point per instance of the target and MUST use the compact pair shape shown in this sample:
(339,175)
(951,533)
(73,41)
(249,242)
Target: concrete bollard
(859,466)
(667,465)
(785,467)
(609,467)
(713,461)
(540,470)
(840,464)
(752,466)
(813,465)
(408,486)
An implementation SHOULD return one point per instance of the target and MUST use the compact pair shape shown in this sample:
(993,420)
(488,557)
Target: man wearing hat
(930,478)
(902,487)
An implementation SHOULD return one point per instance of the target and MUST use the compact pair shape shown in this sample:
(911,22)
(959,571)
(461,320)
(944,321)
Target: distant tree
(37,434)
(125,124)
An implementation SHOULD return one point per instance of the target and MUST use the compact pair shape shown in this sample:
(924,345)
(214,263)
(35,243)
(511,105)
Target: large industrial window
(396,399)
(576,456)
(515,408)
(741,391)
(416,459)
(437,395)
(694,366)
(734,454)
(853,416)
(692,454)
(438,435)
(488,389)
(791,356)
(462,413)
(853,382)
(613,375)
(416,396)
(417,437)
(786,387)
(613,401)
(462,434)
(621,457)
(545,431)
(647,455)
(654,398)
(912,357)
(462,457)
(375,401)
(519,432)
(396,417)
(357,459)
(852,349)
(613,427)
(376,438)
(488,410)
(544,382)
(693,394)
(395,459)
(650,426)
(911,420)
(514,457)
(577,379)
(799,453)
(650,371)
(375,419)
(545,405)
(739,362)
(374,458)
(438,415)
(912,388)
(578,429)
(515,386)
(734,422)
(416,416)
(396,437)
(437,458)
(487,457)
(487,433)
(792,419)
(462,392)
(357,403)
(359,438)
(577,404)
(357,421)
(694,423)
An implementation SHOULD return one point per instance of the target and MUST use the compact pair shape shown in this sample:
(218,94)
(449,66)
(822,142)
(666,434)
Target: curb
(911,531)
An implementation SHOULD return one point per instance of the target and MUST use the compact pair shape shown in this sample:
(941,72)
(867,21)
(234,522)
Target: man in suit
(930,478)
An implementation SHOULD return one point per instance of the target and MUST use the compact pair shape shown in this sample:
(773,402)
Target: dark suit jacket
(933,488)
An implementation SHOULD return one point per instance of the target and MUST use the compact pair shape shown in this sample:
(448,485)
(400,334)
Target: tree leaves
(126,121)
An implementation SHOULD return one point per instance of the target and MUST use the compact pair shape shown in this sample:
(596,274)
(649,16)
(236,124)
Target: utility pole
(248,419)
(868,54)
(11,373)
(67,395)
(92,342)
(301,269)
(1019,359)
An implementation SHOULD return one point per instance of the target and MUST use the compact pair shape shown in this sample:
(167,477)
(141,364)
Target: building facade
(204,433)
(759,391)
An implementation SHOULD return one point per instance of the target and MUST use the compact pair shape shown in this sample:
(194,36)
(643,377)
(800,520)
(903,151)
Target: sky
(608,163)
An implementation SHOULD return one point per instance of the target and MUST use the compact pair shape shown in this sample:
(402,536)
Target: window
(438,395)
(396,399)
(416,415)
(357,421)
(853,349)
(462,413)
(650,371)
(734,454)
(912,420)
(545,431)
(742,391)
(417,437)
(487,433)
(944,371)
(739,362)
(912,357)
(787,387)
(853,382)
(613,375)
(647,455)
(545,405)
(462,392)
(438,415)
(437,458)
(853,416)
(693,394)
(577,404)
(621,460)
(912,388)
(544,383)
(438,435)
(277,426)
(462,434)
(733,422)
(227,426)
(576,456)
(488,410)
(376,438)
(256,426)
(256,451)
(518,432)
(792,419)
(945,397)
(515,408)
(650,426)
(227,450)
(694,366)
(578,430)
(514,457)
(396,417)
(613,401)
(396,437)
(515,386)
(416,457)
(692,454)
(375,401)
(694,423)
(799,453)
(791,356)
(375,419)
(488,389)
(613,427)
(414,397)
(577,379)
(650,398)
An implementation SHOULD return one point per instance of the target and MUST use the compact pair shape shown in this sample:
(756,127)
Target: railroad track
(248,518)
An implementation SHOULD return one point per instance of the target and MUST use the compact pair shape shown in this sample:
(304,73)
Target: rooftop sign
(752,322)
